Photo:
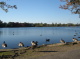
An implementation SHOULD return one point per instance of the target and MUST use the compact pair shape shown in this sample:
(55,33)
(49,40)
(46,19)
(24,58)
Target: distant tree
(27,24)
(41,24)
(59,24)
(45,24)
(1,23)
(4,24)
(72,5)
(10,24)
(55,24)
(4,6)
(36,24)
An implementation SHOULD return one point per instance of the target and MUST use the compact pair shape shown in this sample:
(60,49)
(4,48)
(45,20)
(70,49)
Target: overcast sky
(37,11)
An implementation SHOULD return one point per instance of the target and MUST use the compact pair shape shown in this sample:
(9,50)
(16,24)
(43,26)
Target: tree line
(17,24)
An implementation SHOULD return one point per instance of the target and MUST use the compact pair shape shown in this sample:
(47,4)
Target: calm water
(12,36)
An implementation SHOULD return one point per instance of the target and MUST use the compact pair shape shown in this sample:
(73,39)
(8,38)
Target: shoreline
(55,44)
(42,50)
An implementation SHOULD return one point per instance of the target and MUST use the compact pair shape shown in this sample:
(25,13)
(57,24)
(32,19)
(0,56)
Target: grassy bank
(26,52)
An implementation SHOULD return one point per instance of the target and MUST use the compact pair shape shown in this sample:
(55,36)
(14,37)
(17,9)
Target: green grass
(6,53)
(40,51)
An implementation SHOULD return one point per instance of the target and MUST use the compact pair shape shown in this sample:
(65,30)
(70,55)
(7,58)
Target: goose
(75,40)
(74,35)
(13,33)
(62,41)
(4,44)
(21,44)
(41,35)
(34,44)
(47,40)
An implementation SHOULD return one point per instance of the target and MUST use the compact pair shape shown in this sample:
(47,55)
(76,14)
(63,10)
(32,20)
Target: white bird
(4,44)
(21,44)
(75,40)
(62,41)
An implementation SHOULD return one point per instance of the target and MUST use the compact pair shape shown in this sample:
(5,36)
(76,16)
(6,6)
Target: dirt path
(53,52)
(74,54)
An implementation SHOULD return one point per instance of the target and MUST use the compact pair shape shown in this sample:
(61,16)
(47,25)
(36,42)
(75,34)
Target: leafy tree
(45,24)
(10,24)
(4,6)
(4,24)
(55,24)
(59,24)
(72,5)
(1,22)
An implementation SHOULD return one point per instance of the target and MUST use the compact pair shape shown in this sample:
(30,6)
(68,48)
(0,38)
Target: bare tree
(72,5)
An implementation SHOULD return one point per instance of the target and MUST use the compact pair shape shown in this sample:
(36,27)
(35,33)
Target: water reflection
(1,33)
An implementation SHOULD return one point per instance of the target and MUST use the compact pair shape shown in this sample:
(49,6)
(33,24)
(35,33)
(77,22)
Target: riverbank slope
(52,51)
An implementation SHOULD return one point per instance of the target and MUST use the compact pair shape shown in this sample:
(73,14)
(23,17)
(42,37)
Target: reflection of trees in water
(1,33)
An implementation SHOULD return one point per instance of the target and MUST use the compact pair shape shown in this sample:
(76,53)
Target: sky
(38,11)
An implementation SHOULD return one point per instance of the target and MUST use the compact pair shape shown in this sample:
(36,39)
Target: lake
(12,36)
